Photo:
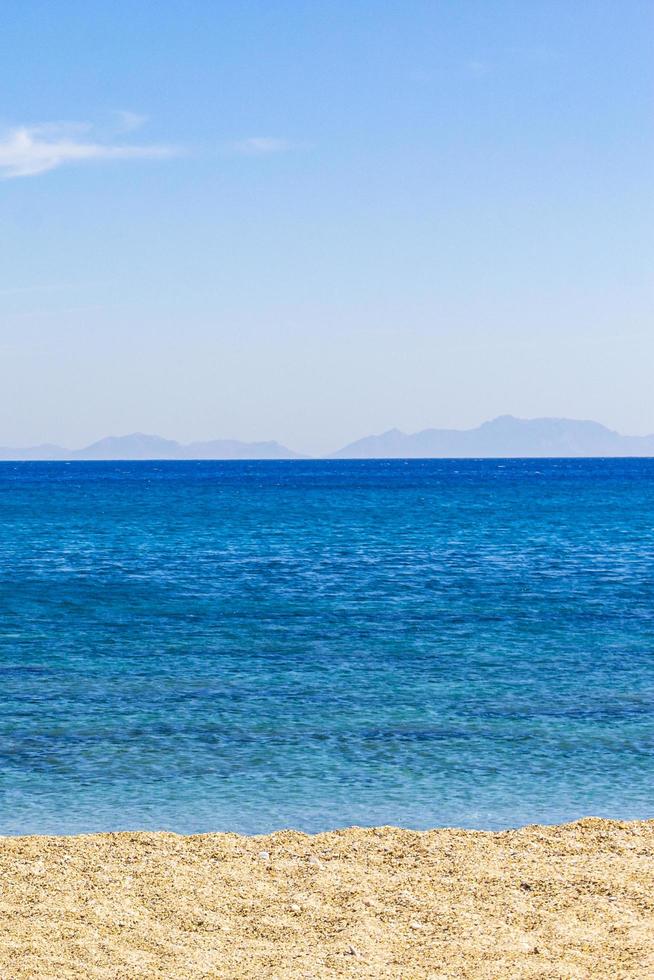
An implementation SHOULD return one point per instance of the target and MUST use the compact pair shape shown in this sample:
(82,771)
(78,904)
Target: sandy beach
(568,901)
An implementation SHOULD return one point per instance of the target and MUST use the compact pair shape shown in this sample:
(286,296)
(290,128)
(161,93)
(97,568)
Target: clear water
(246,646)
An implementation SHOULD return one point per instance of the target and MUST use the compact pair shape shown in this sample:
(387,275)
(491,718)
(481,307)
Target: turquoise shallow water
(245,646)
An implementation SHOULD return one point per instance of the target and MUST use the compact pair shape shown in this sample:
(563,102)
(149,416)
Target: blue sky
(315,220)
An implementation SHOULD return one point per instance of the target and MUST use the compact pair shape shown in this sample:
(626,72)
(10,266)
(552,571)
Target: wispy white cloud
(260,145)
(477,69)
(26,151)
(127,121)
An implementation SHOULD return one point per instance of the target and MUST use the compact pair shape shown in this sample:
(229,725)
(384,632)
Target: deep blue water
(245,646)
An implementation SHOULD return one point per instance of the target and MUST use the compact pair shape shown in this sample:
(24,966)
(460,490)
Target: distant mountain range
(505,436)
(140,446)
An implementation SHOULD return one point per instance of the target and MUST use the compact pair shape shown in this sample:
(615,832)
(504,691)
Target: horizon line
(504,437)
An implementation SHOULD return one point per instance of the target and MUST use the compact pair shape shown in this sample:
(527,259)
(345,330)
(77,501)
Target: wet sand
(553,902)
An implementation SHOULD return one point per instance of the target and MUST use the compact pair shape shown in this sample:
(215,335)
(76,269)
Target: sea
(248,646)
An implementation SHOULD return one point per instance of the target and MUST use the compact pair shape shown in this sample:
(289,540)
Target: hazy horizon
(505,436)
(310,223)
(227,436)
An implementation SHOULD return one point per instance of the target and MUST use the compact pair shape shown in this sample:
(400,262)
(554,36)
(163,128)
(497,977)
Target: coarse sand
(557,902)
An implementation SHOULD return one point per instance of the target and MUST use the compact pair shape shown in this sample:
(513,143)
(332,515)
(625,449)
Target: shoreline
(573,900)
